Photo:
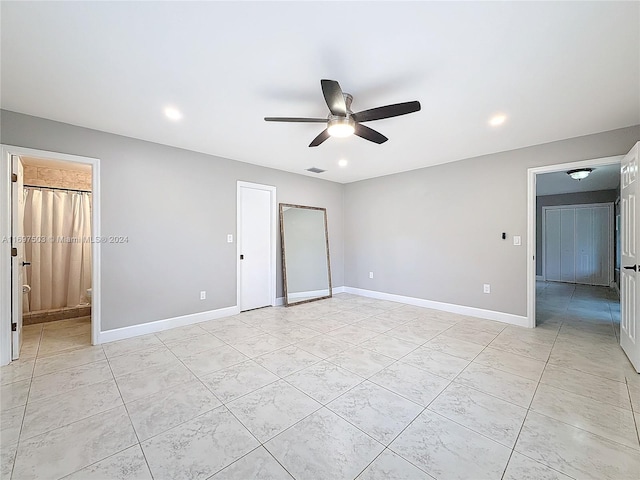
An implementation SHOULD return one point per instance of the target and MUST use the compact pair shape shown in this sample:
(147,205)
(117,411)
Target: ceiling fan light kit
(579,173)
(341,126)
(342,122)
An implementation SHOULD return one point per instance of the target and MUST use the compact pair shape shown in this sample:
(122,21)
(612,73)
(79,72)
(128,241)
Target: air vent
(315,170)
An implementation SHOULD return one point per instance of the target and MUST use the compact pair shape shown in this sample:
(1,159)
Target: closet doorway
(578,244)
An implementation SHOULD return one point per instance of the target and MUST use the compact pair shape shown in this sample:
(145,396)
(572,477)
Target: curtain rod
(57,188)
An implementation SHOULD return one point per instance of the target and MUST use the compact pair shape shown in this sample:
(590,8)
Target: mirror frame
(283,252)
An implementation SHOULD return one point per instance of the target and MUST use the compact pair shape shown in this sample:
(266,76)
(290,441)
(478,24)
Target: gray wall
(581,198)
(434,233)
(176,207)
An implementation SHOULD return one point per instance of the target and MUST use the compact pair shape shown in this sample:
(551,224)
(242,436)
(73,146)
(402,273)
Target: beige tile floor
(344,388)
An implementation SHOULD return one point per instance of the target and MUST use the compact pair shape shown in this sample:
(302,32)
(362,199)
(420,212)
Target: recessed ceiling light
(342,163)
(172,113)
(497,120)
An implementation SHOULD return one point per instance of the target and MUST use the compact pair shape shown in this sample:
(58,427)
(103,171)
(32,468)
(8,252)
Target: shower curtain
(57,229)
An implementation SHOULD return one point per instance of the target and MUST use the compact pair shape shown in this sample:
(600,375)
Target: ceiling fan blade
(320,138)
(369,134)
(334,97)
(387,111)
(295,119)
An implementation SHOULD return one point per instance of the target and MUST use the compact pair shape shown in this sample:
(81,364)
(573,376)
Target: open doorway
(572,247)
(56,229)
(50,286)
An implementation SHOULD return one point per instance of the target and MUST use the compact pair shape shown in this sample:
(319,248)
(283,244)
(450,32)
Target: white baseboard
(509,318)
(540,277)
(166,324)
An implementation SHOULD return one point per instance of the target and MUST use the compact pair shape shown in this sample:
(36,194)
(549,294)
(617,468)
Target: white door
(17,268)
(255,247)
(630,281)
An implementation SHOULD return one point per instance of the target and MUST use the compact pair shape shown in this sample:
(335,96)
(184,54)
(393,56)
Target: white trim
(509,318)
(531,222)
(5,248)
(540,278)
(274,226)
(166,324)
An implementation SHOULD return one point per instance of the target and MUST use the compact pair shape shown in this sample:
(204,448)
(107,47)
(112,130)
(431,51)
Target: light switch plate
(230,238)
(517,240)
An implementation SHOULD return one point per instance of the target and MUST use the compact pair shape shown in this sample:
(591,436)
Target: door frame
(272,238)
(531,220)
(6,206)
(580,205)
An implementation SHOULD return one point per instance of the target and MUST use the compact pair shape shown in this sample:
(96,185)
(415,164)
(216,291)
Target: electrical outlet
(230,238)
(487,288)
(370,274)
(203,295)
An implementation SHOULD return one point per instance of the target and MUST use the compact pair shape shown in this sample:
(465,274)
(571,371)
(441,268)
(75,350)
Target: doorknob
(632,267)
(26,264)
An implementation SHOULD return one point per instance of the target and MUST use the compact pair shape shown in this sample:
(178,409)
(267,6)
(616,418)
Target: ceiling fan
(342,122)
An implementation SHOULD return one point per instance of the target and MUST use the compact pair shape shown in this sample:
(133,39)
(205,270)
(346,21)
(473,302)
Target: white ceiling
(605,177)
(556,69)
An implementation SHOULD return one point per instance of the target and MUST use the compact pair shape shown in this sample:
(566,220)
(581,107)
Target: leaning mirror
(305,253)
